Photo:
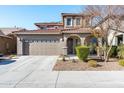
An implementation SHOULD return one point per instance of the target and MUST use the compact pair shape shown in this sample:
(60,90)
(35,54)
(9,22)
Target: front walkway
(37,72)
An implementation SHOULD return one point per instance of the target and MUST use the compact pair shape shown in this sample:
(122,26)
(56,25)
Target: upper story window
(69,22)
(77,21)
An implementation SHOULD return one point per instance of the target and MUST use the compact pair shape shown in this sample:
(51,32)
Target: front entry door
(70,45)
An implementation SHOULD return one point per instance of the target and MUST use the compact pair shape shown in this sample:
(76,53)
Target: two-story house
(55,38)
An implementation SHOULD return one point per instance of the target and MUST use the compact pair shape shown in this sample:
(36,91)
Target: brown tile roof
(77,30)
(39,32)
(5,32)
(74,14)
(22,30)
(55,31)
(49,24)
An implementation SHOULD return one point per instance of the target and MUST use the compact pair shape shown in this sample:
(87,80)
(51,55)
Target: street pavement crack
(23,78)
(26,75)
(57,79)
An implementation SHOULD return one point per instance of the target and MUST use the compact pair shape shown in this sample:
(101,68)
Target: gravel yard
(112,65)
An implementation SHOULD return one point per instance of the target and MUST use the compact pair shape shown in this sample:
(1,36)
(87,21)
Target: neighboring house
(119,37)
(55,38)
(8,42)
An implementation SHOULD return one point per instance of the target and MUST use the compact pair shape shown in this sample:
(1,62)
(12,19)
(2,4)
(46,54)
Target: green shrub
(92,63)
(121,51)
(113,51)
(121,62)
(82,52)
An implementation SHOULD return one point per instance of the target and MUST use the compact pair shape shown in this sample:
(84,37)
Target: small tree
(106,18)
(121,51)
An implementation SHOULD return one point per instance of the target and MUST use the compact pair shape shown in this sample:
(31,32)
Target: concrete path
(36,72)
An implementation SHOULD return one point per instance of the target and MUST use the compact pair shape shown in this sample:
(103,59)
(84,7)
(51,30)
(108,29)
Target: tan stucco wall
(47,46)
(81,36)
(73,22)
(84,21)
(19,46)
(3,45)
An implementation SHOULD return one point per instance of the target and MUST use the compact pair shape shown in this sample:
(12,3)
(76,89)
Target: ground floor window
(91,41)
(119,39)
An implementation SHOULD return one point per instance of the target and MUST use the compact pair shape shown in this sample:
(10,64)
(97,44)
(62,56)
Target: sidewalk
(64,79)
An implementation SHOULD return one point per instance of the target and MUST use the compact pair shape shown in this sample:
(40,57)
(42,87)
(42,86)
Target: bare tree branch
(106,17)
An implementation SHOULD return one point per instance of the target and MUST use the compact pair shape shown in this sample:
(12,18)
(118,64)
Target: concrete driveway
(36,72)
(29,63)
(13,71)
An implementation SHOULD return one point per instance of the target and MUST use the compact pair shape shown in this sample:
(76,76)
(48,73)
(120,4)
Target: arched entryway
(72,42)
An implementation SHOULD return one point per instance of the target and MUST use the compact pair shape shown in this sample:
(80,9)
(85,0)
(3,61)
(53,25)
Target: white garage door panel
(44,48)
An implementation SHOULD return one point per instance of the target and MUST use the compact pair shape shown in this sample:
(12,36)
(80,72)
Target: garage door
(49,47)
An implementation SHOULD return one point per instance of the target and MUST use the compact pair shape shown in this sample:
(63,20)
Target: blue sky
(26,16)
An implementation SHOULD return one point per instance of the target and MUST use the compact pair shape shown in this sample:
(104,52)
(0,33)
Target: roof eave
(4,36)
(37,33)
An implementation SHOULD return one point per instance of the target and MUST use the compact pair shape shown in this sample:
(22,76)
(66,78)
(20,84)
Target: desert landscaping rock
(112,65)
